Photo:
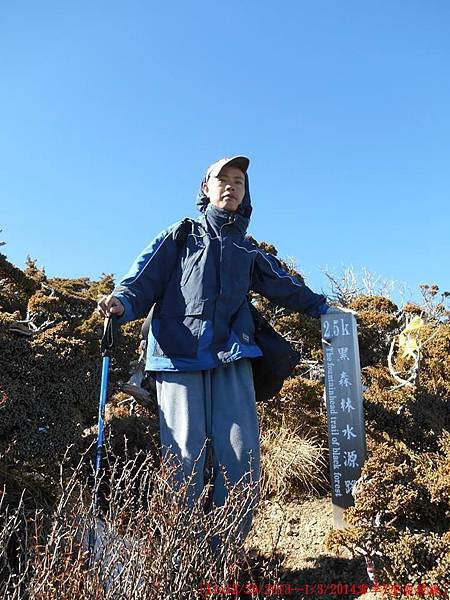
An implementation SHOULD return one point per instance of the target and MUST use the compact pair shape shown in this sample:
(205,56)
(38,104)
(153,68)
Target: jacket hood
(245,208)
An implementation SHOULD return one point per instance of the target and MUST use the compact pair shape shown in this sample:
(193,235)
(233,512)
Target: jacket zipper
(230,221)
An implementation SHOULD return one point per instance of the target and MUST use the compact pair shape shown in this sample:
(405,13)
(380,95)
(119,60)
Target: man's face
(227,190)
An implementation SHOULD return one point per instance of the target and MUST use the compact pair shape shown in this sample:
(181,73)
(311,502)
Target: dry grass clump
(150,541)
(293,440)
(291,463)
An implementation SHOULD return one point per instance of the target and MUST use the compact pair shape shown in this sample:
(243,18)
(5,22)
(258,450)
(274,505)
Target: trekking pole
(107,343)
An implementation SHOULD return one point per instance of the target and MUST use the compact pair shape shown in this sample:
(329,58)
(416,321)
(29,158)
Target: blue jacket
(201,317)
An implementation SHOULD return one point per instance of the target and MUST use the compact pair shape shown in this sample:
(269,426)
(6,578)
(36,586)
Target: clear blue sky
(111,111)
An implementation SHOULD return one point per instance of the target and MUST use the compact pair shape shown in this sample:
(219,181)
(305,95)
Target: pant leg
(182,415)
(235,432)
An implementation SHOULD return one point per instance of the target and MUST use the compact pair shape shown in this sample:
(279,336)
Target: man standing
(196,275)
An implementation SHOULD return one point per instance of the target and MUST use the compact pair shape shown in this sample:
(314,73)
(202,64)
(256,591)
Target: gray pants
(217,404)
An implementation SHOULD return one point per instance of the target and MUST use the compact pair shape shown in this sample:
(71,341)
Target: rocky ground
(291,536)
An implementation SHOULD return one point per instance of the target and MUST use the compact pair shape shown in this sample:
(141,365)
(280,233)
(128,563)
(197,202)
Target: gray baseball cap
(241,162)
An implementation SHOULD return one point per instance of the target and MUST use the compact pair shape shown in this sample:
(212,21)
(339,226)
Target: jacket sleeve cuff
(127,313)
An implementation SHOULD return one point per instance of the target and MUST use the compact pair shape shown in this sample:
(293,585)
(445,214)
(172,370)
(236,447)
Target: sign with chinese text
(343,389)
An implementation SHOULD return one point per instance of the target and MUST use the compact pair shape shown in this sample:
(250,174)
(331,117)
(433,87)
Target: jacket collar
(217,218)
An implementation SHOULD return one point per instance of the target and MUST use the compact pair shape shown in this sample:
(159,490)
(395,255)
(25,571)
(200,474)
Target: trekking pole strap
(109,334)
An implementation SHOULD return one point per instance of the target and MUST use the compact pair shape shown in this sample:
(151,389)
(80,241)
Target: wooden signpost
(343,389)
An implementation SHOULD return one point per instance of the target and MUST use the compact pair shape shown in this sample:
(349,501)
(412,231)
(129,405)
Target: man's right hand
(110,305)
